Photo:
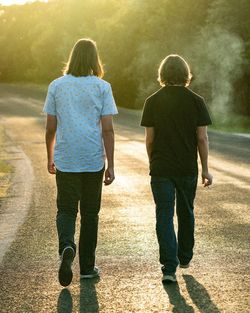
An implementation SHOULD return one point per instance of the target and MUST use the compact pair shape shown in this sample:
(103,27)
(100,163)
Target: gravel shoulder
(16,199)
(5,167)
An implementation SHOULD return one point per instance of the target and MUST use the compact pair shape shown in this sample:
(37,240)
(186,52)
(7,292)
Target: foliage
(133,36)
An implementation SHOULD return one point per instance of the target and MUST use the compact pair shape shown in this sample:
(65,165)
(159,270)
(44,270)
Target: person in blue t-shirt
(79,136)
(176,122)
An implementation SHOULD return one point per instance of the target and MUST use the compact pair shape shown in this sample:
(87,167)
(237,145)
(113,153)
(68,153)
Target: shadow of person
(199,295)
(176,299)
(88,297)
(64,303)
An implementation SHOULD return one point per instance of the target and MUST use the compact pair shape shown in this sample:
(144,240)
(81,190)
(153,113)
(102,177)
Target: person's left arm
(109,143)
(203,121)
(50,136)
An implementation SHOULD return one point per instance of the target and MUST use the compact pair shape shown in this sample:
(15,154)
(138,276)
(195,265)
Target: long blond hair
(84,59)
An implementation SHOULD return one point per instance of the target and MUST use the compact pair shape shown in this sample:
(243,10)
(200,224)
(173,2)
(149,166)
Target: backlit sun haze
(10,2)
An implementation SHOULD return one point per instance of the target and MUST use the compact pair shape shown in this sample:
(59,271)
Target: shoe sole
(90,276)
(65,273)
(184,266)
(168,279)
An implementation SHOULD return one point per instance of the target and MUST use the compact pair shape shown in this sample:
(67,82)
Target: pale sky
(9,2)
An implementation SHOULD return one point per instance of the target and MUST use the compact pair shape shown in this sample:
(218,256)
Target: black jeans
(165,190)
(71,188)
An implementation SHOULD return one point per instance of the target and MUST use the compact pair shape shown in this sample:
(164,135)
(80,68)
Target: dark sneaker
(91,274)
(169,278)
(65,274)
(184,265)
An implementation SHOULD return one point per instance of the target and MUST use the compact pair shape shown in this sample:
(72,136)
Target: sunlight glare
(11,2)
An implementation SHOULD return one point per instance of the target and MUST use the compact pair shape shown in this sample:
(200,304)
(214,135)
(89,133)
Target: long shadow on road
(64,303)
(199,295)
(88,298)
(176,299)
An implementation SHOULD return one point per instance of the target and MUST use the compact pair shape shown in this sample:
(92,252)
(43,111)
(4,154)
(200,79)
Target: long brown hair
(84,60)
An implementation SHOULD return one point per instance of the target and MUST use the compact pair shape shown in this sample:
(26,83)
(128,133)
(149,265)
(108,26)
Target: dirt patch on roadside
(5,168)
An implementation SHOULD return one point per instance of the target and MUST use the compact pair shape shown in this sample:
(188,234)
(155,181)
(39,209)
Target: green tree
(133,36)
(223,50)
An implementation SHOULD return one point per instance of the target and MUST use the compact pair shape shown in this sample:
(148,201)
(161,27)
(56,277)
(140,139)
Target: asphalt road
(218,280)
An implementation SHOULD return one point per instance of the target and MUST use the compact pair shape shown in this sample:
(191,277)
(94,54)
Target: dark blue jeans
(165,191)
(73,188)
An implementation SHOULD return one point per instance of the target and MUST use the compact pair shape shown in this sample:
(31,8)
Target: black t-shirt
(175,112)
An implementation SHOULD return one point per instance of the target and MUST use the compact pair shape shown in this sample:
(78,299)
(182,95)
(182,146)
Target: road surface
(218,280)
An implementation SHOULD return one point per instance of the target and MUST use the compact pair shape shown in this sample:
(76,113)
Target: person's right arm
(149,131)
(50,136)
(202,142)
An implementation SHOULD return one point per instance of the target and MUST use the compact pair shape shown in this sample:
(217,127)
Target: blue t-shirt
(78,104)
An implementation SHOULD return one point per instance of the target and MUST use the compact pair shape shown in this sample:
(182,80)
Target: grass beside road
(232,123)
(5,167)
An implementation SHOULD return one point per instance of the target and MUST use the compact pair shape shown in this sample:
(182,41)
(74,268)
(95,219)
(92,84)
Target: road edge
(17,203)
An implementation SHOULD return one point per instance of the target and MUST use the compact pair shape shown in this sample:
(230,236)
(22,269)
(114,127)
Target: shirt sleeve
(50,103)
(109,106)
(147,119)
(204,118)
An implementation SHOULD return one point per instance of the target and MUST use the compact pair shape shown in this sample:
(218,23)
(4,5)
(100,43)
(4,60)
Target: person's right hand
(51,167)
(207,179)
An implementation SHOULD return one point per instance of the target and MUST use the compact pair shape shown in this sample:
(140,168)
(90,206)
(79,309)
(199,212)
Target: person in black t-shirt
(176,122)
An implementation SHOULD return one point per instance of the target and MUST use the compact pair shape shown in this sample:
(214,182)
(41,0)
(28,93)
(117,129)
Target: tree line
(133,36)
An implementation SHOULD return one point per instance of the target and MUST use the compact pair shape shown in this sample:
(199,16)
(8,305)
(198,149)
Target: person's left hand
(109,176)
